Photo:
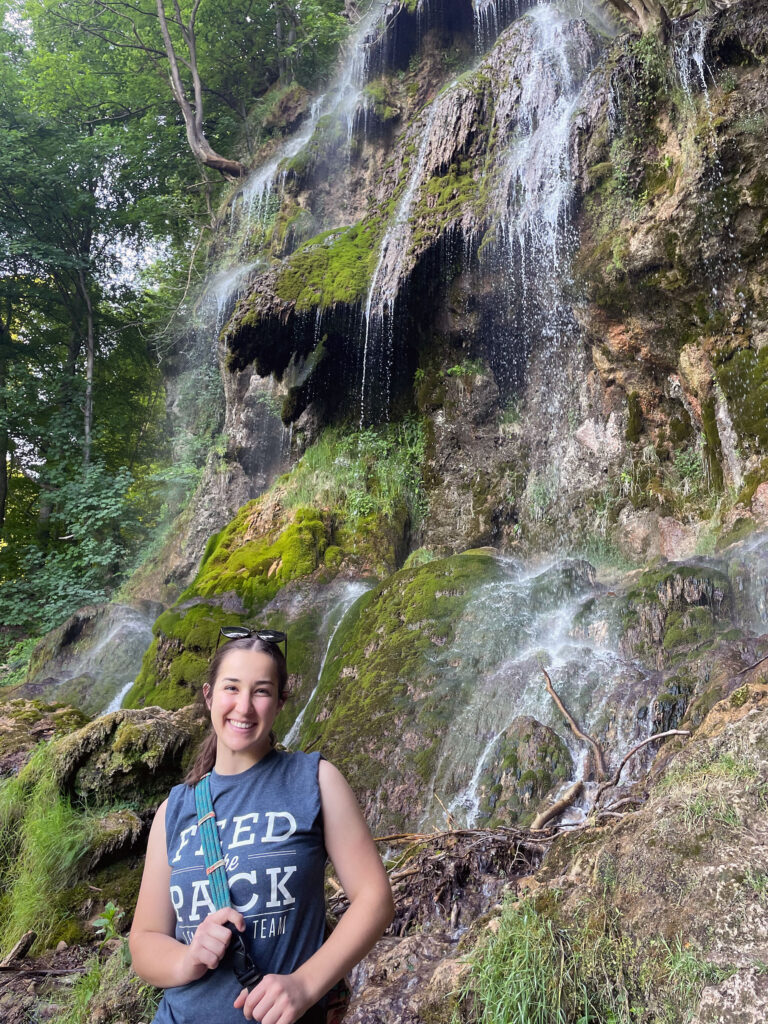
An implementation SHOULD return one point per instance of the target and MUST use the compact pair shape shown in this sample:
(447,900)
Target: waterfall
(380,302)
(490,17)
(509,630)
(689,60)
(534,195)
(333,619)
(95,671)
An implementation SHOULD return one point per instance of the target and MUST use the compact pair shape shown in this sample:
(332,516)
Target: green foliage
(43,841)
(16,660)
(106,925)
(537,969)
(523,973)
(82,994)
(374,471)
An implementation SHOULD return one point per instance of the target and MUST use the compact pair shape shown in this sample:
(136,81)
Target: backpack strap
(212,852)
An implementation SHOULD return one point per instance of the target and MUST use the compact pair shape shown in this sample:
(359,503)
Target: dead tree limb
(19,951)
(614,780)
(577,732)
(557,808)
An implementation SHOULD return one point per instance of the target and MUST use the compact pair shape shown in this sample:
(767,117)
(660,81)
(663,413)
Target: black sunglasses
(269,636)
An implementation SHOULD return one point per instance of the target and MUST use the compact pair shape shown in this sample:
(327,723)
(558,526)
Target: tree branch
(614,780)
(570,796)
(577,732)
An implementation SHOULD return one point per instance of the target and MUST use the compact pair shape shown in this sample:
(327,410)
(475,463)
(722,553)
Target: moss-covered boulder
(266,551)
(676,610)
(529,762)
(25,723)
(132,757)
(381,706)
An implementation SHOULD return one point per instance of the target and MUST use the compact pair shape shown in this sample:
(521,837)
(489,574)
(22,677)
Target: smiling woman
(278,816)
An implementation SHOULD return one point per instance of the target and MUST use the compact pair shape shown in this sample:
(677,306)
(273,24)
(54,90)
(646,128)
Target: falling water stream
(330,626)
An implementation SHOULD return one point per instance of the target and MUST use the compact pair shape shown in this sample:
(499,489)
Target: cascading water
(490,17)
(259,198)
(534,197)
(510,630)
(693,72)
(351,593)
(378,339)
(95,672)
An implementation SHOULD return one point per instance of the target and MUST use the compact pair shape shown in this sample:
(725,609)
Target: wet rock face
(91,658)
(530,763)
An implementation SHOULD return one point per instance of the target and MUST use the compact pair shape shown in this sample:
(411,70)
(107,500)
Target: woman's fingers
(212,937)
(277,999)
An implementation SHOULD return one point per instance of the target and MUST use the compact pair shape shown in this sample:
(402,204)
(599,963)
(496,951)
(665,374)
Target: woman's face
(244,703)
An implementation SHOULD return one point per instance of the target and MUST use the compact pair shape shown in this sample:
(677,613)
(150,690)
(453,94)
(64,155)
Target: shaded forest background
(107,112)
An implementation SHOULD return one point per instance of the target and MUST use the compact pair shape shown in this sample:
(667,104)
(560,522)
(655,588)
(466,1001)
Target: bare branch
(577,732)
(614,780)
(570,796)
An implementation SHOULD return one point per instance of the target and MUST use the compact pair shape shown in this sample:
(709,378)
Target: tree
(213,65)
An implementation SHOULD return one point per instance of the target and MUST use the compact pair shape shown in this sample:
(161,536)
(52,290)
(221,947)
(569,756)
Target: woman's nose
(243,703)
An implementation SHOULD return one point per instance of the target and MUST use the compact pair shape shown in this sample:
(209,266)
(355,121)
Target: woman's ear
(207,695)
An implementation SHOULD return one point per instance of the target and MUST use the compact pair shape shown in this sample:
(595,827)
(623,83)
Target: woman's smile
(244,704)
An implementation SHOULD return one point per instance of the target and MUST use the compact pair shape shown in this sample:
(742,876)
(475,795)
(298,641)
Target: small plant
(106,926)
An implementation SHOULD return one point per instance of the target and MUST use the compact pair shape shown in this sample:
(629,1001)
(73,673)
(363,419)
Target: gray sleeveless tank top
(271,833)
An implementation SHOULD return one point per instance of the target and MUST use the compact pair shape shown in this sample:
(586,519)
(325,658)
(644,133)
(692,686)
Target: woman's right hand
(210,942)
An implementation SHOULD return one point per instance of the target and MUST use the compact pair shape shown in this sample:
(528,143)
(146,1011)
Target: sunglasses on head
(269,636)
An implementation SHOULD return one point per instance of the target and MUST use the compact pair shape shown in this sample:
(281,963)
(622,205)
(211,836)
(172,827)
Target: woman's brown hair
(206,753)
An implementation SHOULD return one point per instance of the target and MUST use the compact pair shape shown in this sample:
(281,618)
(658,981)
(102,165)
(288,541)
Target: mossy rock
(379,712)
(673,609)
(332,268)
(243,571)
(25,723)
(529,762)
(133,757)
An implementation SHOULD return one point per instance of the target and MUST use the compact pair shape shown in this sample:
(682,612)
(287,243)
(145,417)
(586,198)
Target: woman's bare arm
(281,999)
(157,956)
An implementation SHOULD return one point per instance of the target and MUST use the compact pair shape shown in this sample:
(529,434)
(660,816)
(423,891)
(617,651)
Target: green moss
(634,417)
(689,627)
(739,697)
(712,448)
(379,673)
(334,267)
(744,527)
(744,381)
(379,93)
(751,482)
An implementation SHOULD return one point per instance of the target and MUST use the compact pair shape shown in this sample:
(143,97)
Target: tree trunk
(193,115)
(90,344)
(647,16)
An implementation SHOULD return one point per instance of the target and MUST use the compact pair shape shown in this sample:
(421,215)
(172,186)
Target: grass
(371,471)
(43,841)
(534,971)
(522,973)
(112,983)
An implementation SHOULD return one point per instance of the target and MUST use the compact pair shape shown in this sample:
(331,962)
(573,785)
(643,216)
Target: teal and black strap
(209,835)
(246,971)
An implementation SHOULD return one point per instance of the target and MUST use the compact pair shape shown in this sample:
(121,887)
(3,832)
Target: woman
(278,814)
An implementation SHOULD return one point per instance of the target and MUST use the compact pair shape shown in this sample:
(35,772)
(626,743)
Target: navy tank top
(271,832)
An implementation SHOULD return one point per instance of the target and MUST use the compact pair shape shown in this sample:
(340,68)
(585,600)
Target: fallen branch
(577,732)
(557,808)
(651,739)
(19,951)
(21,969)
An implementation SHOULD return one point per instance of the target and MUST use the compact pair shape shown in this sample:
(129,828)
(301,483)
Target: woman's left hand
(277,999)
